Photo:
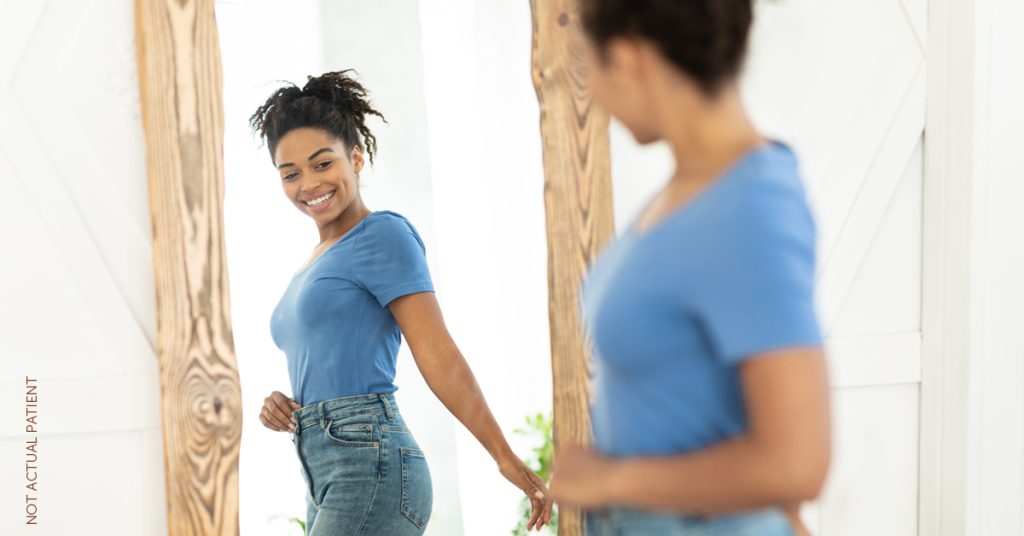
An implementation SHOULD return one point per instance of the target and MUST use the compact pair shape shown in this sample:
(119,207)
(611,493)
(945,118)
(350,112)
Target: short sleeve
(389,260)
(757,290)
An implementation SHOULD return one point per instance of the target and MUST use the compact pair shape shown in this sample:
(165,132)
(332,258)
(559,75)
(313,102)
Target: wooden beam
(180,87)
(578,205)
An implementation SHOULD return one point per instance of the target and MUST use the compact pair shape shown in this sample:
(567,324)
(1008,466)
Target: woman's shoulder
(769,201)
(775,167)
(771,181)
(388,224)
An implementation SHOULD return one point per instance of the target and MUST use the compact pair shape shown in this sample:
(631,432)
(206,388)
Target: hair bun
(333,101)
(336,88)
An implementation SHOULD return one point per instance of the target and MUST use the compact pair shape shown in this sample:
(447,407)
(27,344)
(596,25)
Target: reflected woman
(340,323)
(711,404)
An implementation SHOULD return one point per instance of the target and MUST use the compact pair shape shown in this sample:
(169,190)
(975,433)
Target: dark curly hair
(706,39)
(332,101)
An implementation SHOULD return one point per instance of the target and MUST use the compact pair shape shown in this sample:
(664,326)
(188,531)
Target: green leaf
(540,427)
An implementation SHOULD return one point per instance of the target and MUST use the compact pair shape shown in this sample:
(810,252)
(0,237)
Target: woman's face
(619,86)
(318,172)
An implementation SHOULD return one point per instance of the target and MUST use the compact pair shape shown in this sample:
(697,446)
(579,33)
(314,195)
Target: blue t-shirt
(333,323)
(673,310)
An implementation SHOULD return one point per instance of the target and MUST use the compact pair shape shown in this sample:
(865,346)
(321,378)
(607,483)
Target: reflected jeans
(364,472)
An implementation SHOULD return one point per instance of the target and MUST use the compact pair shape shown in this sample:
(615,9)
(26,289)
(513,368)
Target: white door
(77,306)
(845,83)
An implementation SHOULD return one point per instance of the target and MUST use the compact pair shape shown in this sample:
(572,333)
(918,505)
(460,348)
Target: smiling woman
(340,324)
(325,184)
(309,133)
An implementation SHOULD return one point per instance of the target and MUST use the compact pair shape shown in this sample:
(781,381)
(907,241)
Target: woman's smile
(319,204)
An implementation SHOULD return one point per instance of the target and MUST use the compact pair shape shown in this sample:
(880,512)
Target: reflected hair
(333,101)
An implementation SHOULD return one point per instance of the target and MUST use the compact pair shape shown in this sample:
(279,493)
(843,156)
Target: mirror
(460,157)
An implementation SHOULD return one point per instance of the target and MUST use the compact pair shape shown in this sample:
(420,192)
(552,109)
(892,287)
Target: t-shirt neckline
(715,184)
(344,237)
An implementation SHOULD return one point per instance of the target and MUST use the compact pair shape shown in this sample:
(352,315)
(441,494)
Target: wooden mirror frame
(180,87)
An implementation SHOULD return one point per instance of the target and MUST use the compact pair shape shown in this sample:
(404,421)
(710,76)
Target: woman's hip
(361,462)
(352,439)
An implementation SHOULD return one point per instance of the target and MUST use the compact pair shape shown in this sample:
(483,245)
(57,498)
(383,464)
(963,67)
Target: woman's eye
(289,176)
(323,165)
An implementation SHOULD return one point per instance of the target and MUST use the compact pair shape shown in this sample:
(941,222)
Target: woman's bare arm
(450,378)
(781,459)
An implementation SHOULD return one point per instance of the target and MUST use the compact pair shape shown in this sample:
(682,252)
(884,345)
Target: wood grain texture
(180,87)
(578,206)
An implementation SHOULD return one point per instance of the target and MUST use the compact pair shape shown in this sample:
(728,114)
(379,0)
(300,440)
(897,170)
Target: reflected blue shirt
(332,322)
(674,310)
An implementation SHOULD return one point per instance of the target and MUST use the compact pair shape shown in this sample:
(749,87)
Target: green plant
(292,520)
(538,427)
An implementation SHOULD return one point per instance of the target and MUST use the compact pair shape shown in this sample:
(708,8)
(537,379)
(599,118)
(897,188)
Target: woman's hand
(792,511)
(580,478)
(516,472)
(277,412)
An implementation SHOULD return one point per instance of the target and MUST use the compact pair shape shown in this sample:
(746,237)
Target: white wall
(1001,164)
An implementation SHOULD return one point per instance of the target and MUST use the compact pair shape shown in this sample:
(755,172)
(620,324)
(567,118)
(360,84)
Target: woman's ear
(357,158)
(624,57)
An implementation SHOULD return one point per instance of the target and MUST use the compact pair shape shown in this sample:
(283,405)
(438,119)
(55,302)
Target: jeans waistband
(318,413)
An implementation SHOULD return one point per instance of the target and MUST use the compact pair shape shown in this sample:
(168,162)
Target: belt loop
(387,406)
(320,414)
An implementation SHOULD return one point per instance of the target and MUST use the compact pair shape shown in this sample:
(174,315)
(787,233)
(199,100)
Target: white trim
(972,391)
(946,257)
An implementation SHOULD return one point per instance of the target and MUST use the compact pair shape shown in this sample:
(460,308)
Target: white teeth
(320,200)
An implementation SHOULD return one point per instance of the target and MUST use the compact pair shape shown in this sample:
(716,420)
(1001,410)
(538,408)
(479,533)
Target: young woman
(711,405)
(340,323)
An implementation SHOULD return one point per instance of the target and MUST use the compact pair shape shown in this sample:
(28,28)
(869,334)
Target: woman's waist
(326,379)
(382,405)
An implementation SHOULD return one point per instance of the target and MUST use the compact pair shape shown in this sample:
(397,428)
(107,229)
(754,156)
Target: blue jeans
(364,472)
(627,522)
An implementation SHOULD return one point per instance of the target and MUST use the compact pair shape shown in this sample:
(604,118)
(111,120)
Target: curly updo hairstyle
(332,101)
(706,39)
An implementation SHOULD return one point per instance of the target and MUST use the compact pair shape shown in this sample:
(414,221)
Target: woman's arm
(452,381)
(782,458)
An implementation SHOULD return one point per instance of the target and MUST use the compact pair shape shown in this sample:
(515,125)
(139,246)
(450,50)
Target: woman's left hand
(516,472)
(580,478)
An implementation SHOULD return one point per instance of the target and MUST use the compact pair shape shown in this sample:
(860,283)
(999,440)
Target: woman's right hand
(277,412)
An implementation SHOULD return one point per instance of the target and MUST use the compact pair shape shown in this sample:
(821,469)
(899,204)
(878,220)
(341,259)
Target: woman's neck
(345,221)
(707,136)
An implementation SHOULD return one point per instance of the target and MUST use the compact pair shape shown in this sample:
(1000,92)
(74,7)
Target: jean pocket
(417,491)
(359,431)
